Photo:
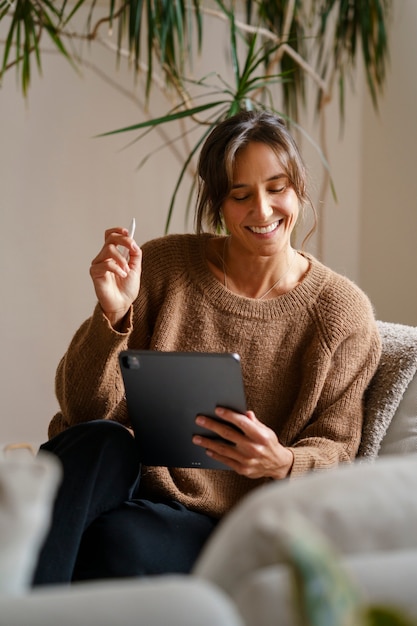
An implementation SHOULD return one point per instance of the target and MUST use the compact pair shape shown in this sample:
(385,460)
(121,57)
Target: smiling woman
(306,336)
(260,213)
(256,196)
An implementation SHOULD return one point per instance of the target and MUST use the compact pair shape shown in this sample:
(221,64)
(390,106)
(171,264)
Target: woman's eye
(278,189)
(240,198)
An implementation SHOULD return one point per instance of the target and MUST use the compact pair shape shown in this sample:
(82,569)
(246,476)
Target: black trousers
(100,527)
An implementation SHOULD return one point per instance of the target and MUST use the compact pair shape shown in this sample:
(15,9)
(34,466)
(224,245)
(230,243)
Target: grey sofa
(352,528)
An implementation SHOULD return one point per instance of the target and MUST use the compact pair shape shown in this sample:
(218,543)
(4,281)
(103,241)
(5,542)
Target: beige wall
(61,188)
(388,226)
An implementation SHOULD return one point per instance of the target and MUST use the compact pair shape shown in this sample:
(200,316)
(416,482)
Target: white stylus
(124,251)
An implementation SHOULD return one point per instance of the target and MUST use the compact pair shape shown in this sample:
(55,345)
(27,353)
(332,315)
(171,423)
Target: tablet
(165,391)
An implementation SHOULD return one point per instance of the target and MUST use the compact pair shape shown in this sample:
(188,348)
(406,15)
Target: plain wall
(388,150)
(61,187)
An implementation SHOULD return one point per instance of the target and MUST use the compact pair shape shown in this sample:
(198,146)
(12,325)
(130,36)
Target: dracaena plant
(274,45)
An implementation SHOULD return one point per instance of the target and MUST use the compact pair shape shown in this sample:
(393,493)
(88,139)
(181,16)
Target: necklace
(276,283)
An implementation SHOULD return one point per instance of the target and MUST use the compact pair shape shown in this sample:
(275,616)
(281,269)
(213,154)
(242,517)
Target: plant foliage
(323,36)
(274,45)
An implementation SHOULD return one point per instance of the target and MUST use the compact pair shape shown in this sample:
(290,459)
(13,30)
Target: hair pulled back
(218,155)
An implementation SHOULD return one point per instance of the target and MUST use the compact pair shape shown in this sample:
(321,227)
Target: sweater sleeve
(332,434)
(88,382)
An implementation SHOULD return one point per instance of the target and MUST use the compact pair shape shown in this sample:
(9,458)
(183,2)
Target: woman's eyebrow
(268,180)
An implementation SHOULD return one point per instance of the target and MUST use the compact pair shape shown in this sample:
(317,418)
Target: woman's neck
(256,276)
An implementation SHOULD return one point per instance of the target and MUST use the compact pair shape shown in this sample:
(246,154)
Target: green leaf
(165,119)
(386,616)
(9,41)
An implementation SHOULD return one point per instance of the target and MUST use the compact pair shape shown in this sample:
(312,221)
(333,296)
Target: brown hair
(217,159)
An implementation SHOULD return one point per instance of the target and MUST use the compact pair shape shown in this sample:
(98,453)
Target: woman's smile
(265,230)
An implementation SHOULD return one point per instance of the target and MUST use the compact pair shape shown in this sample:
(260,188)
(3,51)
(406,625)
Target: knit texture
(397,367)
(307,357)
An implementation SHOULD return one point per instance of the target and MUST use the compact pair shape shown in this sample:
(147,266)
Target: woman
(307,340)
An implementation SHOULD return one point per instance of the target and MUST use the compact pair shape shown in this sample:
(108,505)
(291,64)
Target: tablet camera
(131,362)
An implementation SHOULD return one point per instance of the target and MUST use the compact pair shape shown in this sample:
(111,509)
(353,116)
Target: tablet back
(165,391)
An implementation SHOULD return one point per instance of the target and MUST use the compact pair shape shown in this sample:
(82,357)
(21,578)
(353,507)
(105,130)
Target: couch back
(390,420)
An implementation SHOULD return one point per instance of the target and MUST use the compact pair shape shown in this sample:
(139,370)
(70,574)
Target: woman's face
(262,207)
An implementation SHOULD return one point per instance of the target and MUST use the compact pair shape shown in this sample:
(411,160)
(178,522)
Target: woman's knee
(102,443)
(93,433)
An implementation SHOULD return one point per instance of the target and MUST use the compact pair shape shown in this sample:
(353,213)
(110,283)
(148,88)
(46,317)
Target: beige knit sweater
(307,357)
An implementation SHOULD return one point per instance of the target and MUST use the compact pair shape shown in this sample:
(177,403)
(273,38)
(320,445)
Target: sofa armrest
(173,600)
(383,578)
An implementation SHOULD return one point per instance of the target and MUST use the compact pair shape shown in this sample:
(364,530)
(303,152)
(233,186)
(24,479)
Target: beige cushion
(153,601)
(385,395)
(386,578)
(27,488)
(364,507)
(401,436)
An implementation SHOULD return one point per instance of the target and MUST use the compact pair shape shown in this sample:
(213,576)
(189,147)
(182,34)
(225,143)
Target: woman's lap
(142,538)
(98,530)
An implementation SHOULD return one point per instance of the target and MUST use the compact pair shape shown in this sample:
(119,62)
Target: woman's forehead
(259,158)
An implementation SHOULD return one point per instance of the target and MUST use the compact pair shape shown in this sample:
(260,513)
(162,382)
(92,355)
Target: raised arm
(88,383)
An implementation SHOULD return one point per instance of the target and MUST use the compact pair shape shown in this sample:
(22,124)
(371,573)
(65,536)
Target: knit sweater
(307,356)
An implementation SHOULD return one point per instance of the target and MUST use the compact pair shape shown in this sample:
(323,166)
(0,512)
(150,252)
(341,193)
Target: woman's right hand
(116,280)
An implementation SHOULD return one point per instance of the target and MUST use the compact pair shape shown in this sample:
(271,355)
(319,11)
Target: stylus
(124,251)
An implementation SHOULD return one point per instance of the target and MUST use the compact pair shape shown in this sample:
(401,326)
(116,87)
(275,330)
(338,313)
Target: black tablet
(165,391)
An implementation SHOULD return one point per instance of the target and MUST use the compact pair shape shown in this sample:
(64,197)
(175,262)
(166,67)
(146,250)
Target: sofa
(321,549)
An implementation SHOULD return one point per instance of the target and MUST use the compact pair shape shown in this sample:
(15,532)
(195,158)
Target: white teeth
(262,230)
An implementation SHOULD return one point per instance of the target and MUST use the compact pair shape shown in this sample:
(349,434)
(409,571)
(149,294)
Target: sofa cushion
(401,435)
(391,398)
(383,578)
(174,600)
(363,507)
(27,488)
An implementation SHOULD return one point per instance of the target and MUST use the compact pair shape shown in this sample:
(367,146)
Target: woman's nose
(262,206)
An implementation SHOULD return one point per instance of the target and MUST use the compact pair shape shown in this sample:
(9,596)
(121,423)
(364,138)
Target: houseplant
(274,47)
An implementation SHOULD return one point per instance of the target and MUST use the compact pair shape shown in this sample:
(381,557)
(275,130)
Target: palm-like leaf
(28,21)
(272,14)
(168,37)
(269,49)
(342,30)
(363,20)
(250,89)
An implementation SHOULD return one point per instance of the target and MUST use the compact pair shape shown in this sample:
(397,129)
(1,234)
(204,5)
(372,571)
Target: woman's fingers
(247,445)
(116,275)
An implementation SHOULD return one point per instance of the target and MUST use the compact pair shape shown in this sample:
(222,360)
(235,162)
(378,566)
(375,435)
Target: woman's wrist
(285,466)
(118,321)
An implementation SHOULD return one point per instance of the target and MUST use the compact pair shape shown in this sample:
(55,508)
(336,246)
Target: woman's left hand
(254,450)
